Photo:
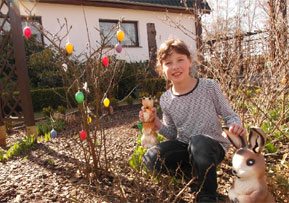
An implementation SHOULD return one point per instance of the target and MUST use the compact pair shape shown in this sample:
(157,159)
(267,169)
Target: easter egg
(82,135)
(79,97)
(27,31)
(120,35)
(118,48)
(105,61)
(53,133)
(69,48)
(64,66)
(106,102)
(283,81)
(88,120)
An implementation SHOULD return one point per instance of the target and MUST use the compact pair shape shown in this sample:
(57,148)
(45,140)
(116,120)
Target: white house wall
(75,16)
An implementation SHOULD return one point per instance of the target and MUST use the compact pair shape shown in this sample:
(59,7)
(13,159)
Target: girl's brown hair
(166,50)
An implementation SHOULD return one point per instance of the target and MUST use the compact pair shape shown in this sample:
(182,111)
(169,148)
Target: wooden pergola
(15,97)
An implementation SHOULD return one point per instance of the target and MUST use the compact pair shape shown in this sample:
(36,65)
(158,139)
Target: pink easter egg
(27,31)
(118,48)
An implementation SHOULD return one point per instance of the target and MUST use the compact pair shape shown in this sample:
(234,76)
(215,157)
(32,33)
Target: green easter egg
(79,97)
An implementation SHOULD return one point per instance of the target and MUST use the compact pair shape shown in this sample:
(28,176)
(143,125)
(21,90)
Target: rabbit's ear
(236,140)
(257,139)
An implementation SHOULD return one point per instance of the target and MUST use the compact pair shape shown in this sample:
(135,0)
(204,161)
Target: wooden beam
(20,62)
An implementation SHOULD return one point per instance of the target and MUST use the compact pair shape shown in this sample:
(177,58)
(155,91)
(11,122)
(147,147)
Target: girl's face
(177,67)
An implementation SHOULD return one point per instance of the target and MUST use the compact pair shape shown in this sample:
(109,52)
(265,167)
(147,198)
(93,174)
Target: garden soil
(49,171)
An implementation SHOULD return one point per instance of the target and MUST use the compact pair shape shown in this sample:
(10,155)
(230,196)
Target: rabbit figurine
(249,168)
(149,137)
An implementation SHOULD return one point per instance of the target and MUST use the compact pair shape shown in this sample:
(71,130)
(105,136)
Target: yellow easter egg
(284,80)
(120,35)
(106,102)
(69,48)
(88,120)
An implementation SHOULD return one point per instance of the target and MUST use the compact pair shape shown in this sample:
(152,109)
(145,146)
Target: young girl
(191,109)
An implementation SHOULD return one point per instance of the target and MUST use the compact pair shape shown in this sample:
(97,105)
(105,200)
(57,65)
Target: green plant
(61,109)
(1,156)
(51,162)
(136,158)
(58,124)
(47,137)
(129,100)
(153,85)
(271,148)
(114,102)
(43,128)
(48,111)
(18,147)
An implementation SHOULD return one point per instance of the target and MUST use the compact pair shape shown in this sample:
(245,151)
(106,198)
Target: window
(33,23)
(108,29)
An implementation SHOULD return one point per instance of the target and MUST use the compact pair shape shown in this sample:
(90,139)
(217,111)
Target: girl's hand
(140,115)
(237,129)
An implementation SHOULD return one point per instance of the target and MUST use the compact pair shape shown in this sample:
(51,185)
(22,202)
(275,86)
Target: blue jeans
(179,159)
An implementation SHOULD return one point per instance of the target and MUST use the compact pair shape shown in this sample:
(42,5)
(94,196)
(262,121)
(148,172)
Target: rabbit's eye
(250,162)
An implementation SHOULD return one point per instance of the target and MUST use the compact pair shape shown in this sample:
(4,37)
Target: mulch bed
(49,171)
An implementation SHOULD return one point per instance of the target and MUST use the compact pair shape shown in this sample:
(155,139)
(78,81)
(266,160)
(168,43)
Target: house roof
(180,4)
(176,6)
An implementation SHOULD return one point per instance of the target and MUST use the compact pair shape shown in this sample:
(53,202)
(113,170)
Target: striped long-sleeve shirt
(197,112)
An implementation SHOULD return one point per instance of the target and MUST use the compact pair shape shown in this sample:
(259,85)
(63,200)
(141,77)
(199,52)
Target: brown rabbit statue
(149,136)
(248,167)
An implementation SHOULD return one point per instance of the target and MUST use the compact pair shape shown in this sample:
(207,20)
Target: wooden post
(21,67)
(152,46)
(199,40)
(2,127)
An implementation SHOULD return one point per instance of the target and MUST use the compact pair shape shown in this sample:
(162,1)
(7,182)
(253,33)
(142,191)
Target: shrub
(129,100)
(129,78)
(153,85)
(48,111)
(61,109)
(53,97)
(114,102)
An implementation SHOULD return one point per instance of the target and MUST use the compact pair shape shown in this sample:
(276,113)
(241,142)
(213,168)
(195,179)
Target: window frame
(31,19)
(135,24)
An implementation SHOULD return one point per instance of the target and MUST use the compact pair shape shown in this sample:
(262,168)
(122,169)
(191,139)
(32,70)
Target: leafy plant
(43,128)
(271,148)
(1,156)
(18,147)
(114,102)
(47,137)
(129,100)
(136,158)
(61,109)
(48,111)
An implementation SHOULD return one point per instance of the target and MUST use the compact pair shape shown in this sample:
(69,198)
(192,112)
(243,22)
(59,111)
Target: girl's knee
(199,143)
(150,158)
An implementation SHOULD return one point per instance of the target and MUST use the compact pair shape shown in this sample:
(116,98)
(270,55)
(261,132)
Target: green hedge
(53,97)
(153,85)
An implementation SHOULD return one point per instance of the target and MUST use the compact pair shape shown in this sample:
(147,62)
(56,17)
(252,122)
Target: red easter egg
(105,61)
(82,135)
(27,31)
